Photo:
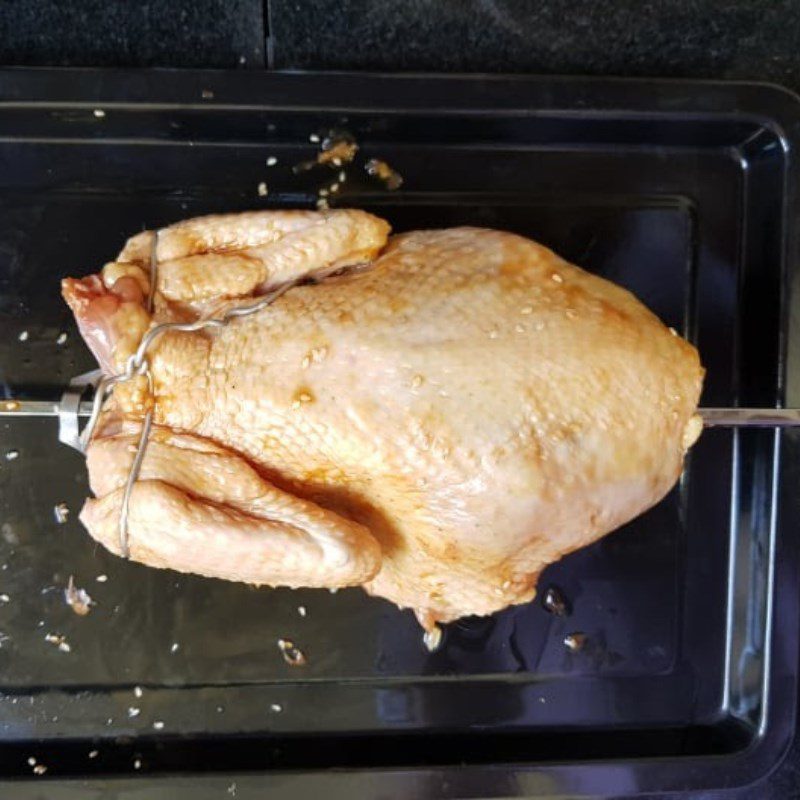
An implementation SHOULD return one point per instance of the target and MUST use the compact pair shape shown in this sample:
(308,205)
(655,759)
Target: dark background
(740,39)
(737,39)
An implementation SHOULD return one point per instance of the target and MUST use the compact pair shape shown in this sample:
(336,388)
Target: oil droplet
(417,381)
(526,310)
(571,313)
(556,278)
(519,328)
(493,334)
(575,641)
(380,169)
(540,326)
(306,362)
(555,602)
(292,654)
(432,638)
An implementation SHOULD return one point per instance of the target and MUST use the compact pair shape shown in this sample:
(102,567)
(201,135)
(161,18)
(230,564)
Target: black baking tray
(683,192)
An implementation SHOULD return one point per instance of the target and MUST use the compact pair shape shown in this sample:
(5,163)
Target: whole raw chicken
(438,421)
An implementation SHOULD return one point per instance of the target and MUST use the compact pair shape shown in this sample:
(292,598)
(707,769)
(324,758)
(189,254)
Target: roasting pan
(685,193)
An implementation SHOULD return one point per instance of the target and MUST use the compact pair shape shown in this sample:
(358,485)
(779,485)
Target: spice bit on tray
(381,170)
(158,724)
(4,598)
(575,641)
(62,338)
(292,654)
(263,191)
(23,336)
(102,578)
(11,405)
(137,763)
(137,691)
(338,148)
(99,113)
(59,640)
(174,647)
(301,610)
(94,753)
(61,513)
(133,711)
(77,599)
(12,455)
(276,707)
(272,161)
(555,602)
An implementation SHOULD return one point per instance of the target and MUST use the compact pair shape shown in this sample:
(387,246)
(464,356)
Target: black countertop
(740,39)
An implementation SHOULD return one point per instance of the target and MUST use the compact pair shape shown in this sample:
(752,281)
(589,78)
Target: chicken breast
(456,410)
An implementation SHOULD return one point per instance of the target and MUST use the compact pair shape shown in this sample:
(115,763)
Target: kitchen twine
(138,365)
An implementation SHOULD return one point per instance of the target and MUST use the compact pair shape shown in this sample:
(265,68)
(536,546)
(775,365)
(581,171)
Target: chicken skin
(438,421)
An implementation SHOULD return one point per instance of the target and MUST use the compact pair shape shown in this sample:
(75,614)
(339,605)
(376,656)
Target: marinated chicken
(437,421)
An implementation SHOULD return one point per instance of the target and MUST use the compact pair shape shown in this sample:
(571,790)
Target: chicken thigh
(438,421)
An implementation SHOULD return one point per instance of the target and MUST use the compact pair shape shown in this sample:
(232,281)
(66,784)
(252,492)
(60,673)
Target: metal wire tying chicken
(437,422)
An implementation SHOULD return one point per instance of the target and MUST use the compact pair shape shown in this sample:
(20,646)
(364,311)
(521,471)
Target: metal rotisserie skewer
(712,417)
